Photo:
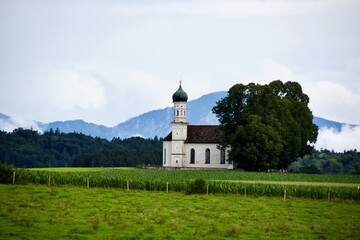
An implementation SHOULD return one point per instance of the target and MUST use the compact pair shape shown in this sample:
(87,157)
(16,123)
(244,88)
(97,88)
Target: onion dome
(180,95)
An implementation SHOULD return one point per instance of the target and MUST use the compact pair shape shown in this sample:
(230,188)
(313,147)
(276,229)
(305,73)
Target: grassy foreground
(68,212)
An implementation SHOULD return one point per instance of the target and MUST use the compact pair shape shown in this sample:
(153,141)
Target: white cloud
(334,101)
(138,49)
(274,71)
(142,91)
(353,65)
(347,139)
(233,8)
(15,122)
(70,89)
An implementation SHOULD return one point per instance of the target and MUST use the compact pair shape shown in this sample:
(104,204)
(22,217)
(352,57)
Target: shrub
(6,173)
(198,186)
(312,169)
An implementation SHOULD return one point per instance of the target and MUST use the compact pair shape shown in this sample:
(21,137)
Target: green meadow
(79,169)
(73,212)
(316,186)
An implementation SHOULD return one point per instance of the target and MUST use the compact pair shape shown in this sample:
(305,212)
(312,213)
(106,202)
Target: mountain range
(147,125)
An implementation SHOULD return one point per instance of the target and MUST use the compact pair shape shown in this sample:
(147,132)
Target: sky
(107,61)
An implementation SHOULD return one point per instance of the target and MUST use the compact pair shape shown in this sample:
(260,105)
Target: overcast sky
(108,61)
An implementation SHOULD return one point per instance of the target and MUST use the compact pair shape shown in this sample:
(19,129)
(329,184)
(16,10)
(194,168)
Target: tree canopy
(29,148)
(266,126)
(325,161)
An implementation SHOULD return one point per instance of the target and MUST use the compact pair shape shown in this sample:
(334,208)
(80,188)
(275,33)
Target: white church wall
(183,161)
(200,156)
(167,154)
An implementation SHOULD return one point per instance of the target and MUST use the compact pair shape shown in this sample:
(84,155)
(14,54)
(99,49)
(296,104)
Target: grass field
(319,186)
(71,212)
(212,174)
(79,169)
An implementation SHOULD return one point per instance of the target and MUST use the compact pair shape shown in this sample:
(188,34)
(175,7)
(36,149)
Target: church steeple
(180,95)
(180,98)
(179,128)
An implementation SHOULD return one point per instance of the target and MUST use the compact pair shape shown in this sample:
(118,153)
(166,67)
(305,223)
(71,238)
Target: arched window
(177,112)
(164,155)
(222,156)
(192,156)
(207,156)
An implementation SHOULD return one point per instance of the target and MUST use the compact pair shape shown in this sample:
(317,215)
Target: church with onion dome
(192,146)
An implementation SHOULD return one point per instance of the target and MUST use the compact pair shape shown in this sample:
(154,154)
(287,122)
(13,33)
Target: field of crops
(234,182)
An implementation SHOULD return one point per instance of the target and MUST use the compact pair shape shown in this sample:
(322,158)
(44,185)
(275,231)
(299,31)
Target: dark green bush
(6,173)
(198,186)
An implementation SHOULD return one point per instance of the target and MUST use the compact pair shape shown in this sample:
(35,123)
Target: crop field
(284,185)
(79,169)
(71,212)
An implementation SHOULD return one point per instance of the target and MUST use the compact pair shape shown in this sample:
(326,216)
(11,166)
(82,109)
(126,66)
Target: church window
(164,155)
(192,156)
(207,156)
(222,156)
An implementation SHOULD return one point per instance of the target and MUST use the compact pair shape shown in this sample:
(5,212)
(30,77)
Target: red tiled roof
(201,134)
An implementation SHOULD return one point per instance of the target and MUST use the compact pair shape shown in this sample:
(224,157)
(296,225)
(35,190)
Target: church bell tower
(179,127)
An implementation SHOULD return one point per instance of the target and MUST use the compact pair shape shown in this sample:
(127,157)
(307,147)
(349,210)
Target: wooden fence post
(245,192)
(207,189)
(285,194)
(13,177)
(127,185)
(49,180)
(88,183)
(167,187)
(328,195)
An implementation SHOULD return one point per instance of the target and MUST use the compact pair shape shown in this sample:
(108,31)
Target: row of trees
(326,161)
(29,148)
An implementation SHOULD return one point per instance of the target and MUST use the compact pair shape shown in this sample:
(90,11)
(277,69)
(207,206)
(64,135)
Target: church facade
(192,146)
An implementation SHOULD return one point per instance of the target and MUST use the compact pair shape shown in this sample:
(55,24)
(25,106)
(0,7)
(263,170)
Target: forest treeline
(325,161)
(27,148)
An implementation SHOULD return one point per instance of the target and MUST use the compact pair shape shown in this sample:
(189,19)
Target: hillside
(149,124)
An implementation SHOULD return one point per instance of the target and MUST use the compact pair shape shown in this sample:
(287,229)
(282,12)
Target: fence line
(317,192)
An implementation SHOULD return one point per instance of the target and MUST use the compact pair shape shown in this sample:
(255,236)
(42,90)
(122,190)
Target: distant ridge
(3,116)
(79,126)
(150,124)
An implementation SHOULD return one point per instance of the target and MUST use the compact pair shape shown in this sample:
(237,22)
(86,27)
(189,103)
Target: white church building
(192,146)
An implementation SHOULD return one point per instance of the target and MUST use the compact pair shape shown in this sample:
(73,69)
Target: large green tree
(266,126)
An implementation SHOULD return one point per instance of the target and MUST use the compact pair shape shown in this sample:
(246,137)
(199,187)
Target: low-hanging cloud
(230,9)
(276,70)
(333,101)
(74,89)
(348,138)
(12,123)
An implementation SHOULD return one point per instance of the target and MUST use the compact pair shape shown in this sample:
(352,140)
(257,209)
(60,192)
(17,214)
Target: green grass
(258,184)
(215,175)
(66,212)
(78,169)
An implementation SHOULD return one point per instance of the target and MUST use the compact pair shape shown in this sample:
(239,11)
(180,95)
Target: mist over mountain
(147,125)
